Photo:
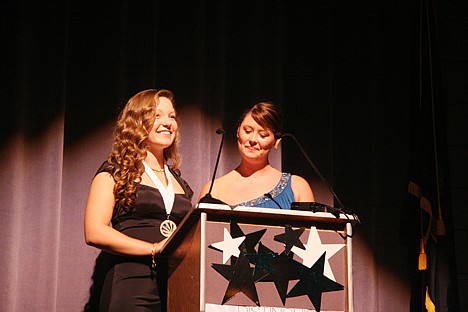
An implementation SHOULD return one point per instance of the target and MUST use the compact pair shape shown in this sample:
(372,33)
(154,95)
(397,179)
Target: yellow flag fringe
(422,262)
(430,307)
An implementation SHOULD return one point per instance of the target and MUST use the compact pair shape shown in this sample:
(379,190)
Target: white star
(314,249)
(229,246)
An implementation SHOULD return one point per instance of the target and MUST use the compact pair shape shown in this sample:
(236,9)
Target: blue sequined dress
(282,194)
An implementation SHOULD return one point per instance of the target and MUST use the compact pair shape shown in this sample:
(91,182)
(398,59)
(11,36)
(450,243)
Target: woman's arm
(97,222)
(301,189)
(204,190)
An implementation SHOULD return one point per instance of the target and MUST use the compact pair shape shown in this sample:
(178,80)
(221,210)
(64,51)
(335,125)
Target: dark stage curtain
(343,72)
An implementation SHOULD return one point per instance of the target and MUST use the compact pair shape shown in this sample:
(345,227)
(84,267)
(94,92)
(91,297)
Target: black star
(251,239)
(313,283)
(290,238)
(235,229)
(226,270)
(283,272)
(263,259)
(241,279)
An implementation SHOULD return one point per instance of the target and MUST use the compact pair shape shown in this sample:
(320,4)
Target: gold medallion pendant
(167,227)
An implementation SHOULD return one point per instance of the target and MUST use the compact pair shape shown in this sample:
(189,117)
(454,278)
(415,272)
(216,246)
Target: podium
(224,258)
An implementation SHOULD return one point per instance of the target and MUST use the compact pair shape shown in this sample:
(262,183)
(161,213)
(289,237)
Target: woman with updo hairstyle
(136,200)
(255,182)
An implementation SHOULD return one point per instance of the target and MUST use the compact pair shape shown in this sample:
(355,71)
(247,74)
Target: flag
(427,219)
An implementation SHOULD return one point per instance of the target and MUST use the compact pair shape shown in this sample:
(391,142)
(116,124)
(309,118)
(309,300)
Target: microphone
(208,198)
(316,206)
(271,197)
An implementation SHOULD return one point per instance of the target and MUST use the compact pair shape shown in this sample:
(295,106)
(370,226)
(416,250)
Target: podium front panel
(268,296)
(195,285)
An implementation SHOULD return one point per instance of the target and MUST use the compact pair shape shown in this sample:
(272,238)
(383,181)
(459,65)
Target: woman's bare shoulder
(301,188)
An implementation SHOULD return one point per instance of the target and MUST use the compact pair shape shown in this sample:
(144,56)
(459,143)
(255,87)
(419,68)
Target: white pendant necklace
(168,226)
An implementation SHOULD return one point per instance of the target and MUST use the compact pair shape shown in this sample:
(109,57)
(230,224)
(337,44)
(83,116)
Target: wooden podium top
(272,216)
(261,216)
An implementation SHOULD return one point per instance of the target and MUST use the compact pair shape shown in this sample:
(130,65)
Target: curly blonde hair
(130,148)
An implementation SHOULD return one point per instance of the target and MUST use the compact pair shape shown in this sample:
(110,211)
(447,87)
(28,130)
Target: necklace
(158,170)
(168,226)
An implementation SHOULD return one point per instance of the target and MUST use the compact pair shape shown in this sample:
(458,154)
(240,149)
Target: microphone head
(219,130)
(278,135)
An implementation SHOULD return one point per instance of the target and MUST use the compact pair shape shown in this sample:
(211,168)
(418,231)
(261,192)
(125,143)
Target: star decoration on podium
(283,272)
(229,246)
(313,283)
(314,250)
(251,239)
(241,278)
(249,266)
(263,259)
(290,238)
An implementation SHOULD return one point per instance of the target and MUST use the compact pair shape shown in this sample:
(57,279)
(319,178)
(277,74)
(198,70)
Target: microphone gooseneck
(271,197)
(311,163)
(208,198)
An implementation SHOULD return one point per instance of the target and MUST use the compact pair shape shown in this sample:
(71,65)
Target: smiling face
(253,140)
(164,129)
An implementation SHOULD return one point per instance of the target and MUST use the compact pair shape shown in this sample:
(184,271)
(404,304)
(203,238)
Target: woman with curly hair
(135,202)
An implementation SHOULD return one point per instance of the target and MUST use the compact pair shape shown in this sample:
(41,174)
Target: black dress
(129,284)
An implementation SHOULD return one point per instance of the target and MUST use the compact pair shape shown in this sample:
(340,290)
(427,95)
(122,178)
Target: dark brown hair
(267,115)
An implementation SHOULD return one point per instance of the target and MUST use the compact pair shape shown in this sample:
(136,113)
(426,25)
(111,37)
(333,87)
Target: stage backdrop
(344,74)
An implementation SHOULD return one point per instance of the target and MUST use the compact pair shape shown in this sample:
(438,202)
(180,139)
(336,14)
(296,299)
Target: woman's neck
(247,169)
(155,160)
